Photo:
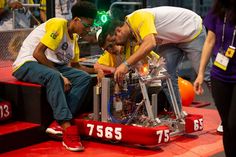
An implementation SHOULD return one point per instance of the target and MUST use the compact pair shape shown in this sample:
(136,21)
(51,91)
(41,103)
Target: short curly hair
(84,9)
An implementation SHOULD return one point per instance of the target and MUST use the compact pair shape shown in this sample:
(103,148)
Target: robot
(119,116)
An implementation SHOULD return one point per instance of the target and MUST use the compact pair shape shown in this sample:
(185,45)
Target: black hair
(108,29)
(221,7)
(84,9)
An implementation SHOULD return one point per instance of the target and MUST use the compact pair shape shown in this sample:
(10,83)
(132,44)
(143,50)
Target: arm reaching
(206,53)
(148,44)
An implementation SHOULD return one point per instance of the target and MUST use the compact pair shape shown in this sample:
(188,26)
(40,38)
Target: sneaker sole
(73,149)
(220,131)
(52,131)
(57,135)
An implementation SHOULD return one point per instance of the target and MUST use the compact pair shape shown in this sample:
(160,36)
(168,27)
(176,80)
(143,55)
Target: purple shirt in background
(215,24)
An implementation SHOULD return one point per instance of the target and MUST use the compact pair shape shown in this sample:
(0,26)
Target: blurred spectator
(38,12)
(6,14)
(23,17)
(63,8)
(29,17)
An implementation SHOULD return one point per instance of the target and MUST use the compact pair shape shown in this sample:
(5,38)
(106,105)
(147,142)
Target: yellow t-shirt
(109,59)
(170,24)
(57,39)
(142,24)
(53,34)
(3,4)
(43,3)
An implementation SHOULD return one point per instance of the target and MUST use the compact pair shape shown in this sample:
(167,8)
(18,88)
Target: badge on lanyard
(221,61)
(230,52)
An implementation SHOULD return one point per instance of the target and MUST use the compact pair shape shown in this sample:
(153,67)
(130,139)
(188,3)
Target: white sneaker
(220,129)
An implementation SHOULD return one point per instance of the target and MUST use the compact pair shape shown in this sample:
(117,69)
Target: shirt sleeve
(43,3)
(142,22)
(210,21)
(153,54)
(76,49)
(54,33)
(106,59)
(2,4)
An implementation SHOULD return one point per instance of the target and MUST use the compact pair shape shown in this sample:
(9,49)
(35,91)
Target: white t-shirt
(53,34)
(174,24)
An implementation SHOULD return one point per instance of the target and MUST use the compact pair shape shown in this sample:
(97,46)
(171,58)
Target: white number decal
(118,134)
(201,123)
(167,135)
(109,131)
(99,131)
(4,111)
(160,135)
(91,126)
(198,124)
(1,111)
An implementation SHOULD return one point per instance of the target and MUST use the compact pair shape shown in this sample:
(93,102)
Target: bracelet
(127,65)
(61,75)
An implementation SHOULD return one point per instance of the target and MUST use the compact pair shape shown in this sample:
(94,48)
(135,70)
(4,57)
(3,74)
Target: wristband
(61,75)
(127,65)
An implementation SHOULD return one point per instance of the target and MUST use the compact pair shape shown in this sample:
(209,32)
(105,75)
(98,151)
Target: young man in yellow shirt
(50,56)
(174,31)
(114,54)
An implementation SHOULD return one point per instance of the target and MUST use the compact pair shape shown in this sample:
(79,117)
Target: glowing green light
(104,18)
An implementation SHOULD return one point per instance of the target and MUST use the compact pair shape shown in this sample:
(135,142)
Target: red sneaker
(71,139)
(55,130)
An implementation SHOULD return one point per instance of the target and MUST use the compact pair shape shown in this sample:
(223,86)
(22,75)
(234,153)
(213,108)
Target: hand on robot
(100,75)
(120,72)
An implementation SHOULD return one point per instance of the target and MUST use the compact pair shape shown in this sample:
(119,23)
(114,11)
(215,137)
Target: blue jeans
(173,54)
(64,105)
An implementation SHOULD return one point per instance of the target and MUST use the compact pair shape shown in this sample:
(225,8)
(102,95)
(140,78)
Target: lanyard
(137,37)
(223,35)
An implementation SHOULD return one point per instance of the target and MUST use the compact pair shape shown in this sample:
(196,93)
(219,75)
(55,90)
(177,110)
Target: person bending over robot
(49,56)
(174,31)
(114,55)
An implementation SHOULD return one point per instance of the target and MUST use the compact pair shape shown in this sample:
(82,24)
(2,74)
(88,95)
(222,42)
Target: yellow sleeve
(76,49)
(55,29)
(153,54)
(142,22)
(106,59)
(2,4)
(43,3)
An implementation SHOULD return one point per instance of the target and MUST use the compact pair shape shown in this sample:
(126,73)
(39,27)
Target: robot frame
(118,117)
